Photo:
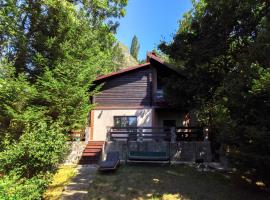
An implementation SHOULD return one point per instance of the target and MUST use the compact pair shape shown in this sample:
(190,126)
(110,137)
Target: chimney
(149,55)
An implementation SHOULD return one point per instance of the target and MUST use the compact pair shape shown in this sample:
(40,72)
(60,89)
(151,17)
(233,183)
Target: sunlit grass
(164,197)
(60,179)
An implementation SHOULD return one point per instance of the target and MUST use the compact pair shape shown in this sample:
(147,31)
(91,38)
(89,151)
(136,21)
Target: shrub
(14,188)
(37,152)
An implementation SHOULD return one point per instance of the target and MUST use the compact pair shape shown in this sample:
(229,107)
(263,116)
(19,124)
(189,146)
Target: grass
(139,182)
(60,179)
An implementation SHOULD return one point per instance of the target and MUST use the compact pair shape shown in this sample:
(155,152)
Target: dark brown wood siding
(129,89)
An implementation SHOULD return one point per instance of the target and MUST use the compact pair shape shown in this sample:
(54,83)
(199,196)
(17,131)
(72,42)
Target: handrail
(137,127)
(189,133)
(157,127)
(155,133)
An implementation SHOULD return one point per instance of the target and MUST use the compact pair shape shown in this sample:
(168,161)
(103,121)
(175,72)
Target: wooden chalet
(131,106)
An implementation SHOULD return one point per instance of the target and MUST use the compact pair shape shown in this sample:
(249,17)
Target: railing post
(108,138)
(173,134)
(205,134)
(140,134)
(87,134)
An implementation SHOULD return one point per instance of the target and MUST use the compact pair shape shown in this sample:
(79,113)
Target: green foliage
(14,188)
(37,151)
(262,84)
(15,99)
(222,49)
(33,37)
(51,52)
(126,60)
(134,48)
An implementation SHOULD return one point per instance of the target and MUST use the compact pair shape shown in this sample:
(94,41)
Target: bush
(37,152)
(14,188)
(28,163)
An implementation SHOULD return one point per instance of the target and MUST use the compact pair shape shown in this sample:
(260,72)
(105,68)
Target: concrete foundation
(179,151)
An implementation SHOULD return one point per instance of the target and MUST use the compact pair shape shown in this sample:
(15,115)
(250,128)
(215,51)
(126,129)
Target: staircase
(92,152)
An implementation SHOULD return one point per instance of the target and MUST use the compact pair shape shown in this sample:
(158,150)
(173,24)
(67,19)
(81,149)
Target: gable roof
(123,71)
(150,56)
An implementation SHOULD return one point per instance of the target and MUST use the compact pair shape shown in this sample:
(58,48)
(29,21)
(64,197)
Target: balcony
(155,134)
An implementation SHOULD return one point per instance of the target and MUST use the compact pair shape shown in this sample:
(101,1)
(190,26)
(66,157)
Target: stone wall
(179,151)
(75,152)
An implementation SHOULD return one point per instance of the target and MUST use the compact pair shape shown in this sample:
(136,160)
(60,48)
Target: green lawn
(138,182)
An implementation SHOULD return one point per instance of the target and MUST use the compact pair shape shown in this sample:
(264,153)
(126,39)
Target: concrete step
(88,162)
(96,143)
(86,154)
(90,150)
(94,147)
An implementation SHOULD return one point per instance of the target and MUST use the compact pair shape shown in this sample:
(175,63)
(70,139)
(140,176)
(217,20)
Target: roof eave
(122,71)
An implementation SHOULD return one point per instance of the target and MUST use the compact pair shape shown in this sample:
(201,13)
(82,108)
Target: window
(125,121)
(160,95)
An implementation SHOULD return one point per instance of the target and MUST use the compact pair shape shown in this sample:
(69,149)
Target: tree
(222,48)
(51,51)
(127,59)
(59,54)
(33,25)
(135,46)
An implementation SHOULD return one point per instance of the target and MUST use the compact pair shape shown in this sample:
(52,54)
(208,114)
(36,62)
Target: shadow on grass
(168,183)
(77,189)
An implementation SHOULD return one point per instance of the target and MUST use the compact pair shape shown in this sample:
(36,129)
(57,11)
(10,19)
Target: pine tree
(135,46)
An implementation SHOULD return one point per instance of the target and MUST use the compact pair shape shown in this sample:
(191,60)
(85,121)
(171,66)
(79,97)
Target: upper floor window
(160,94)
(125,121)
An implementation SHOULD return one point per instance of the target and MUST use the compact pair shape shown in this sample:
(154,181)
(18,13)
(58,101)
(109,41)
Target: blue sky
(152,21)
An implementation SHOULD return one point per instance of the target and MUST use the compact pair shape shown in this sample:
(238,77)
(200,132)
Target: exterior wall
(169,115)
(103,119)
(154,83)
(129,89)
(193,118)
